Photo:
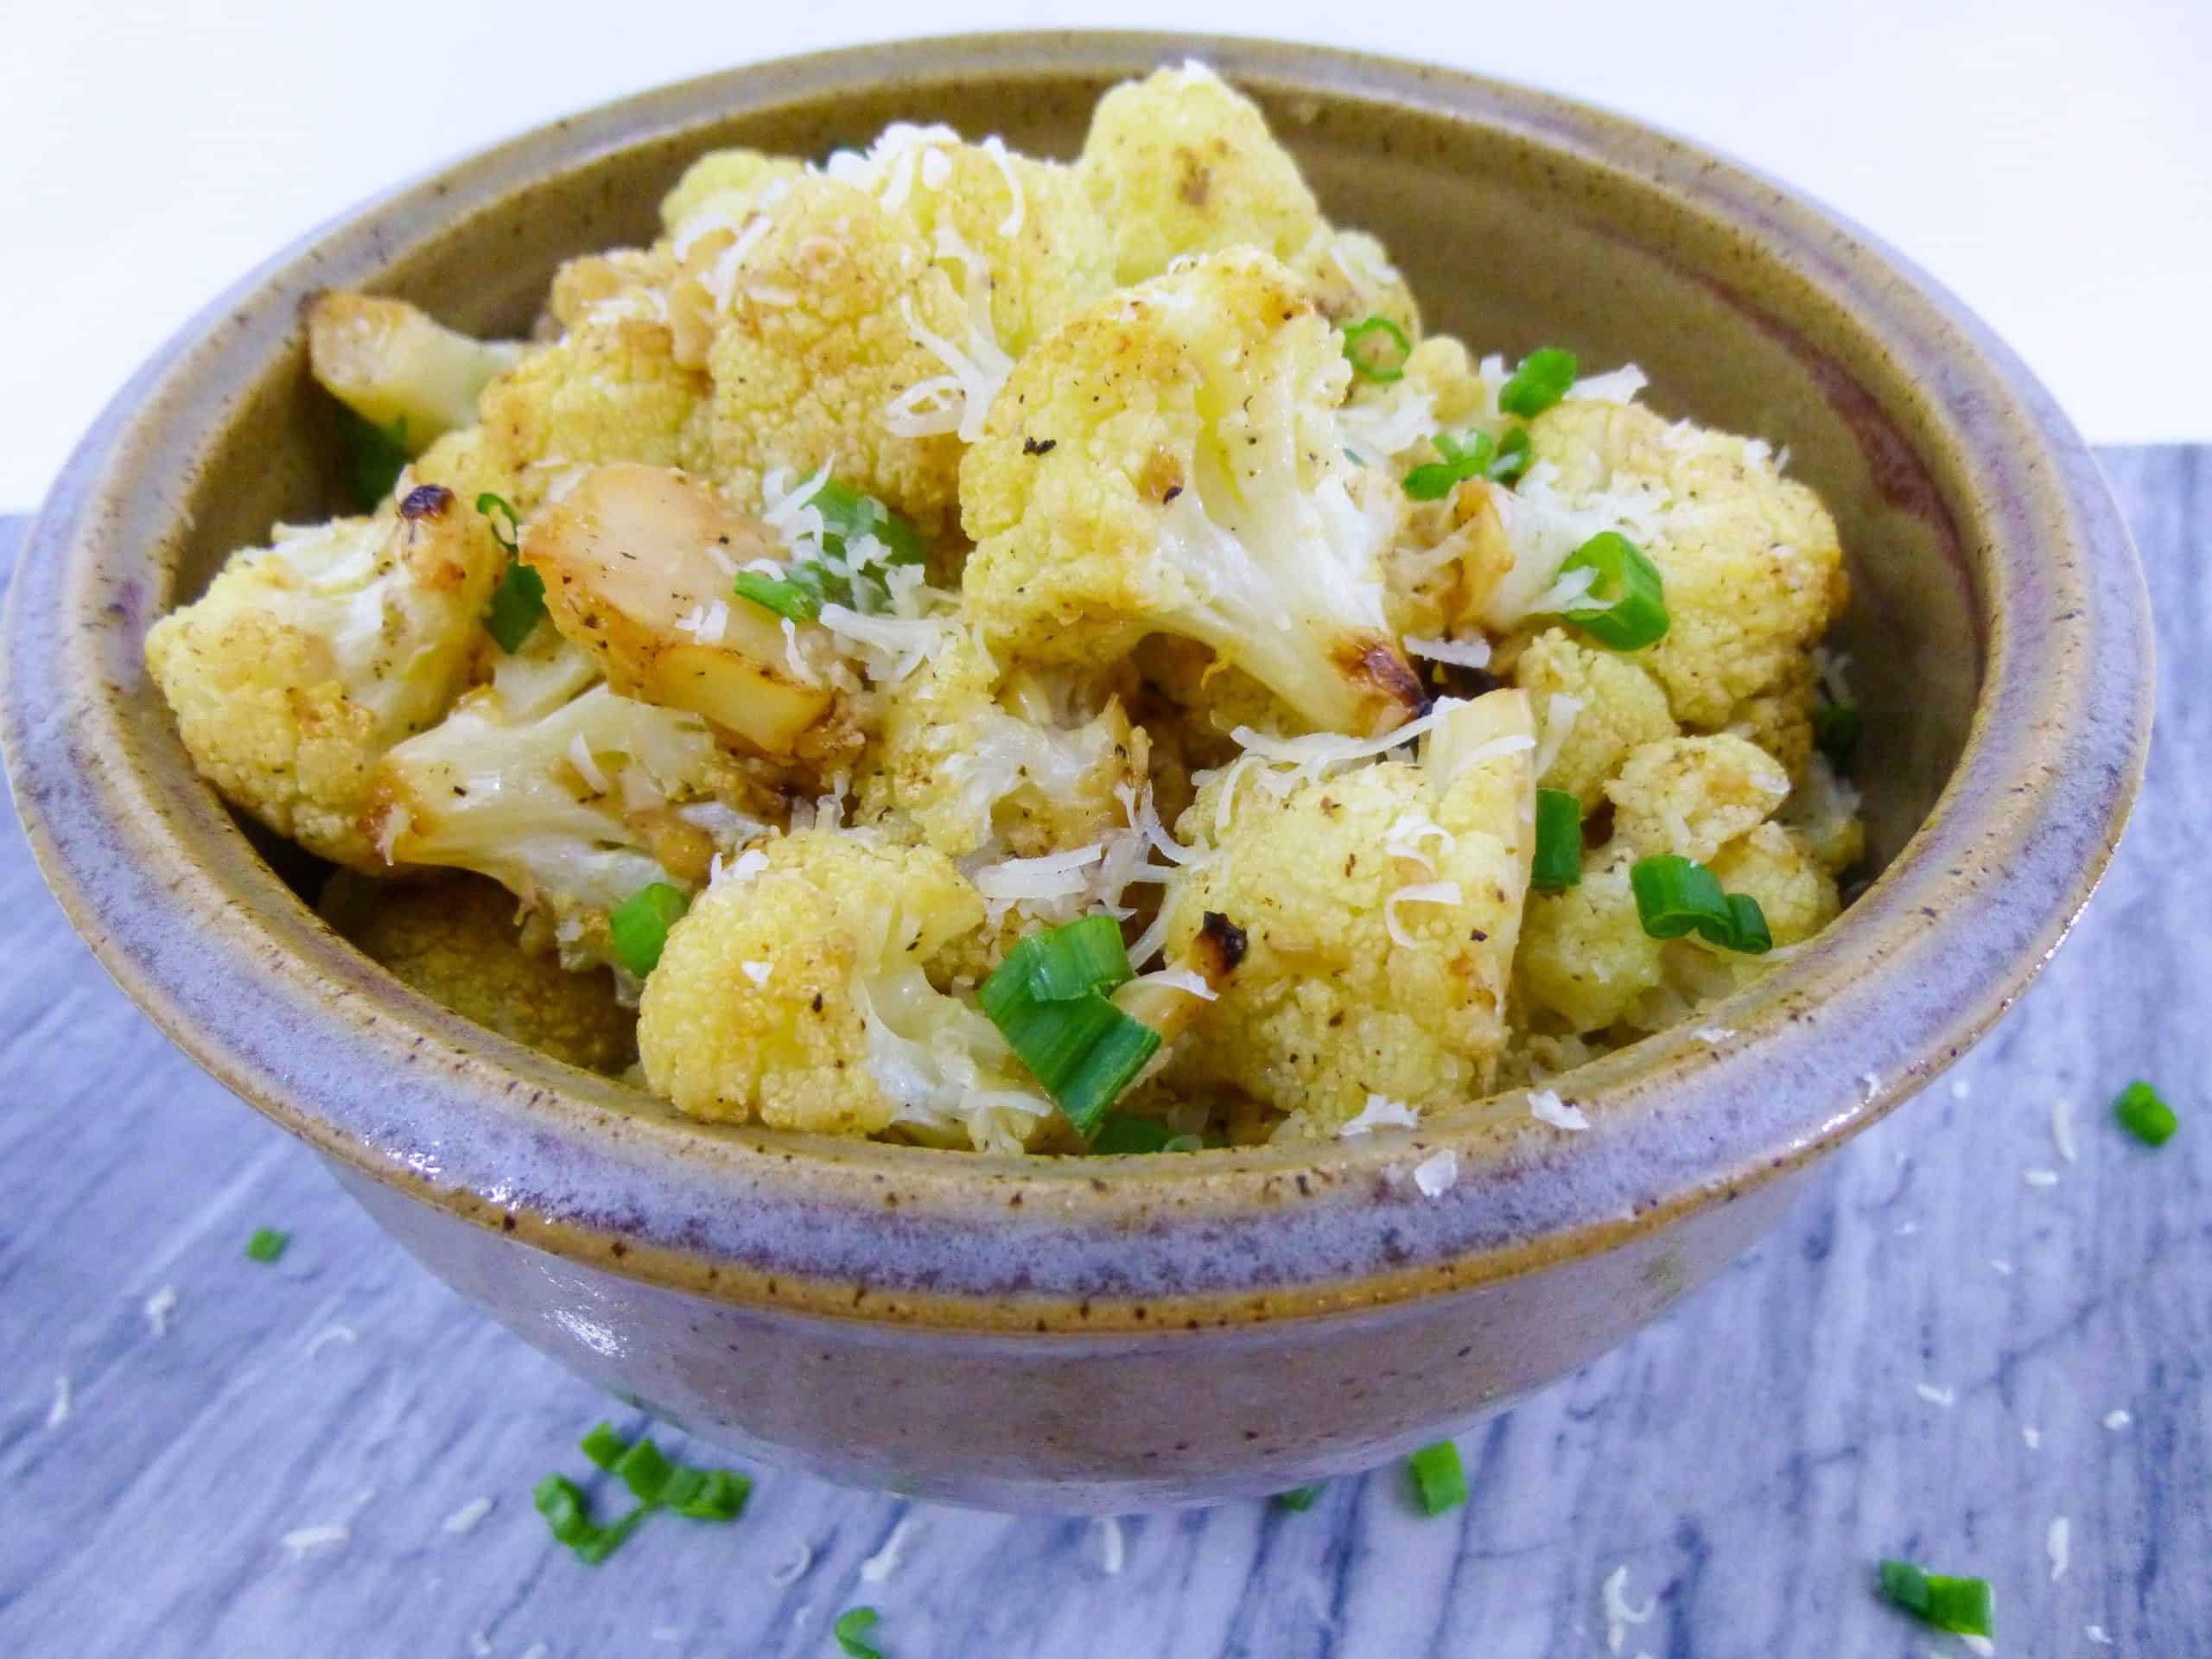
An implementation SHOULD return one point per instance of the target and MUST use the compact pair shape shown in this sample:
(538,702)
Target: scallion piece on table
(604,1446)
(561,1503)
(1300,1498)
(719,1496)
(1463,458)
(782,595)
(1541,381)
(375,455)
(1558,864)
(266,1245)
(1439,1482)
(1629,607)
(1963,1606)
(603,1542)
(1676,895)
(2144,1115)
(851,1631)
(641,923)
(644,1469)
(1378,349)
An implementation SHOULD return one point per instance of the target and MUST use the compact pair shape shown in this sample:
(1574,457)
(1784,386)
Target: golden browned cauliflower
(307,659)
(728,182)
(1380,907)
(454,940)
(796,993)
(1602,705)
(390,363)
(1169,462)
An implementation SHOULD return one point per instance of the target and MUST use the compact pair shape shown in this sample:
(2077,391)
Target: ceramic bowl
(1109,1334)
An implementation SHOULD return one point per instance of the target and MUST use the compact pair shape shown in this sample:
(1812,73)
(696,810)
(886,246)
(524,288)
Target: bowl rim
(235,969)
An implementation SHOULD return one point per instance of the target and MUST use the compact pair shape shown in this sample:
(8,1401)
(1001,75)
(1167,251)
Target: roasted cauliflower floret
(1351,277)
(638,563)
(1380,908)
(730,183)
(1169,462)
(609,390)
(1179,163)
(569,796)
(968,756)
(1586,960)
(798,996)
(307,659)
(1752,567)
(1692,795)
(845,343)
(454,940)
(1616,706)
(391,364)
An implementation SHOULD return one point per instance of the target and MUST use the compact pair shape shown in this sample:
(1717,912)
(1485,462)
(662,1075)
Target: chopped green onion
(517,607)
(1382,362)
(1632,613)
(1541,381)
(851,1631)
(1438,1481)
(1558,863)
(1437,478)
(605,1540)
(1300,1498)
(644,1470)
(640,924)
(561,1503)
(1963,1606)
(266,1245)
(1125,1132)
(847,512)
(1062,962)
(1084,1051)
(1835,731)
(781,595)
(1514,454)
(493,508)
(1676,895)
(375,455)
(2145,1115)
(721,1493)
(604,1446)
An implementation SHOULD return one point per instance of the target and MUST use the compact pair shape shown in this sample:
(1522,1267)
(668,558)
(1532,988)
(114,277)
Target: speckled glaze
(1110,1334)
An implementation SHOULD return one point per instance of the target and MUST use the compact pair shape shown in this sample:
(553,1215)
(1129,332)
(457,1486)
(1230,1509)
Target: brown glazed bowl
(1109,1334)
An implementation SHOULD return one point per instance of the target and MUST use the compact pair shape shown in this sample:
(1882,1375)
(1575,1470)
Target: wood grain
(1746,1459)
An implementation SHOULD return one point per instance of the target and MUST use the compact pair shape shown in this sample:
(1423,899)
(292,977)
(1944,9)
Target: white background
(2050,160)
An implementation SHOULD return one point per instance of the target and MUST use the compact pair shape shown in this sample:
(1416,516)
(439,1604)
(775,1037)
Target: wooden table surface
(1944,1354)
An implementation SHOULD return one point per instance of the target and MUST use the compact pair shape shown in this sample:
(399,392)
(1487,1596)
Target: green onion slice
(1676,895)
(1439,1482)
(2144,1115)
(604,1446)
(1541,381)
(266,1245)
(1125,1132)
(1835,731)
(1463,458)
(375,455)
(847,512)
(1062,963)
(517,607)
(561,1503)
(1558,863)
(1514,454)
(603,1542)
(1633,611)
(640,924)
(494,508)
(1300,1498)
(851,1631)
(1378,349)
(1084,1051)
(1963,1606)
(782,595)
(644,1469)
(719,1496)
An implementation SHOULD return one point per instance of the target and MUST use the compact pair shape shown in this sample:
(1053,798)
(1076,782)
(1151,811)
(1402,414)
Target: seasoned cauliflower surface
(1034,657)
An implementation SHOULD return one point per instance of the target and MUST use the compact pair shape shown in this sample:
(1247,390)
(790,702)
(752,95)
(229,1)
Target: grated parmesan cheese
(2001,1266)
(1934,1397)
(758,972)
(157,1308)
(995,147)
(1462,653)
(1186,980)
(1960,1089)
(2040,1177)
(303,1541)
(1713,1036)
(739,870)
(888,1559)
(796,1568)
(329,1334)
(2032,1437)
(1620,1613)
(580,757)
(2117,1420)
(2061,1129)
(1380,1112)
(2058,1544)
(1616,386)
(1404,837)
(1112,1548)
(1546,1107)
(2096,1634)
(58,1412)
(464,1519)
(1435,1173)
(1419,892)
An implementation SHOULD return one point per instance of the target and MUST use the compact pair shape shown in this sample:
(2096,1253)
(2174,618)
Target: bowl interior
(1506,244)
